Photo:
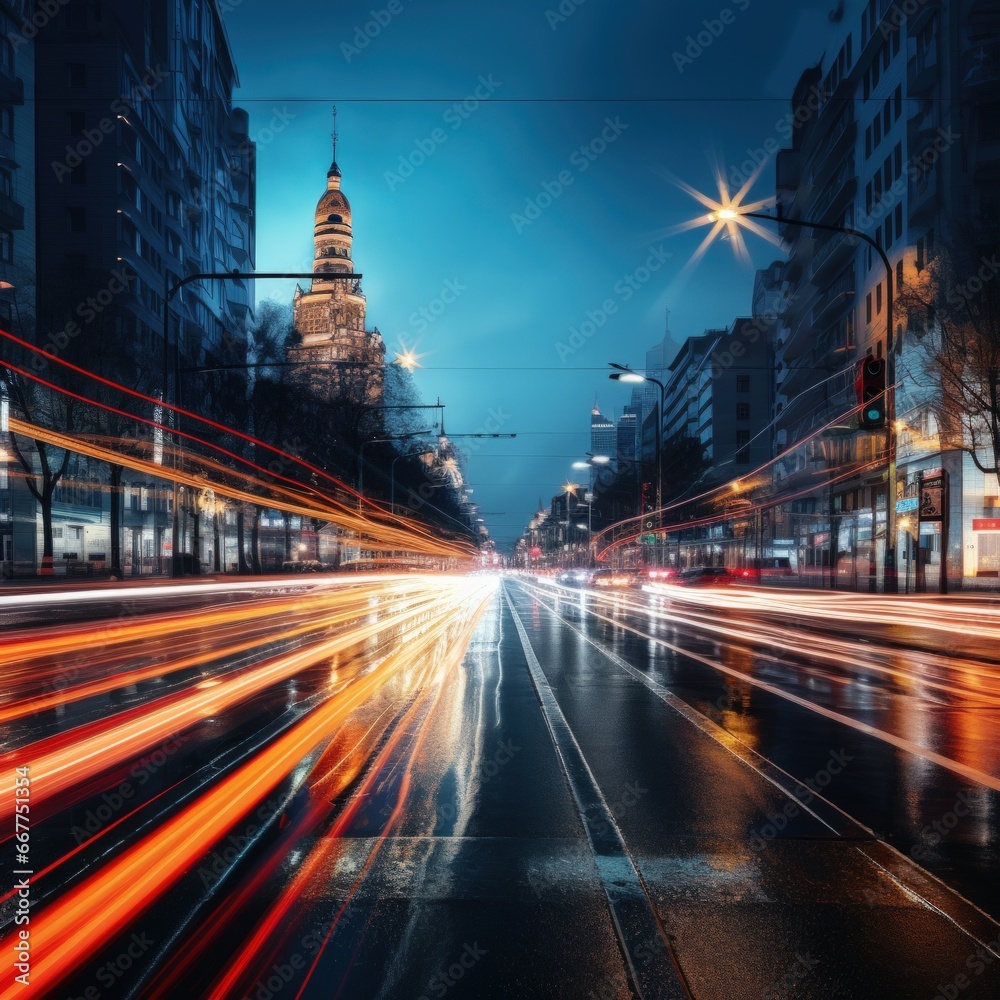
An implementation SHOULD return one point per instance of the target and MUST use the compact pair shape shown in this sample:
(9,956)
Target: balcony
(832,252)
(11,213)
(828,208)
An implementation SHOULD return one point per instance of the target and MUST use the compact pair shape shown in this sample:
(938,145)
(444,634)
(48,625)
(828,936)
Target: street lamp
(625,374)
(729,214)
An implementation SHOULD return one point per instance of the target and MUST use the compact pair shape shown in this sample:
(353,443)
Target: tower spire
(334,134)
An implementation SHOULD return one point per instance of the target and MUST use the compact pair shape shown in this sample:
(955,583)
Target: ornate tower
(344,361)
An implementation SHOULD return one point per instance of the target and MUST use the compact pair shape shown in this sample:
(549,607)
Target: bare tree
(953,307)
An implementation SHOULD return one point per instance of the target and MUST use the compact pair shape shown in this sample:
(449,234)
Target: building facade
(896,136)
(143,175)
(340,358)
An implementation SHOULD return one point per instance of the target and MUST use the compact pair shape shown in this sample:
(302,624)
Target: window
(897,100)
(6,183)
(78,175)
(76,121)
(6,54)
(897,158)
(6,246)
(887,228)
(868,141)
(742,449)
(877,131)
(886,116)
(7,120)
(77,75)
(742,411)
(77,219)
(899,275)
(868,308)
(742,383)
(920,254)
(899,222)
(878,298)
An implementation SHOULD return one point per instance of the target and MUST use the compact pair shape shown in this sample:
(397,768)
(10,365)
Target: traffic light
(870,387)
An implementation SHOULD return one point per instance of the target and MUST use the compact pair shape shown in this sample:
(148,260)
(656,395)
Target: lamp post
(625,374)
(731,214)
(570,491)
(169,291)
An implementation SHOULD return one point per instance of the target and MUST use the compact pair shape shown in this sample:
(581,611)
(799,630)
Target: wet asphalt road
(585,810)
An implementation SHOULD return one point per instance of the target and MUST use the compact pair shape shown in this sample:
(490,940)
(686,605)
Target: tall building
(17,253)
(895,135)
(603,438)
(340,357)
(145,176)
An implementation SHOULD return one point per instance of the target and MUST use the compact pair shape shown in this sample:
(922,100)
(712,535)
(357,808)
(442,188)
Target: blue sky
(488,232)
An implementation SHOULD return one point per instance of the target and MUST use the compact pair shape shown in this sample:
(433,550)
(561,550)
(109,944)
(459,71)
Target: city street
(419,786)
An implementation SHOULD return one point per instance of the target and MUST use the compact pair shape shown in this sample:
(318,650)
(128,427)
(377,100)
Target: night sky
(464,260)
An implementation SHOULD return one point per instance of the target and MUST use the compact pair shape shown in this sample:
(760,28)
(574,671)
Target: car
(705,576)
(610,578)
(573,578)
(766,568)
(654,574)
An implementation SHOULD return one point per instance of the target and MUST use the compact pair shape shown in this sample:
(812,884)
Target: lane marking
(971,773)
(632,912)
(912,879)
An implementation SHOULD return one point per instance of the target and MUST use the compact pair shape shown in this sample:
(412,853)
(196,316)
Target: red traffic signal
(870,387)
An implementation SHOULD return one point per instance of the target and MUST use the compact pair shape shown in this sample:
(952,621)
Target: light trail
(413,536)
(973,774)
(70,930)
(21,658)
(68,759)
(275,928)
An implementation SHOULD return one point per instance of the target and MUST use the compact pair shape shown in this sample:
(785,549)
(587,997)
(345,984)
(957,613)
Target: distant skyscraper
(344,359)
(603,439)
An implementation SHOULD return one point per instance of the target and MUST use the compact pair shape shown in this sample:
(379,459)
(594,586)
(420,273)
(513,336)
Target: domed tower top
(332,234)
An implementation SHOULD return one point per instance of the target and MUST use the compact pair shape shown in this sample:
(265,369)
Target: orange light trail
(71,929)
